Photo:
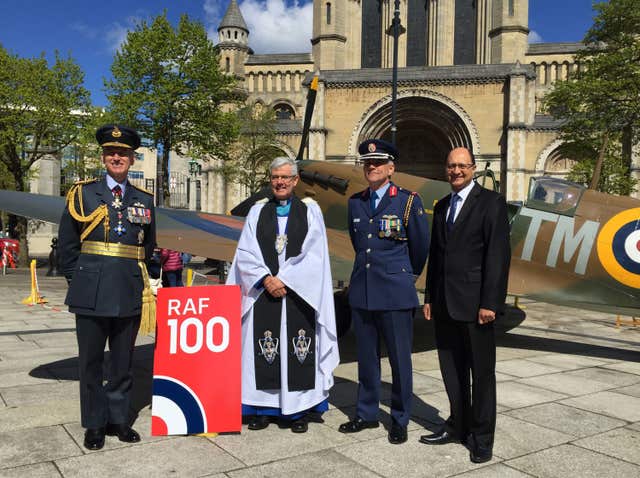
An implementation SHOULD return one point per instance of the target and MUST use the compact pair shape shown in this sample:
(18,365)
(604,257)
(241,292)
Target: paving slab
(320,464)
(633,390)
(518,395)
(524,368)
(410,460)
(567,361)
(567,383)
(623,443)
(629,367)
(516,437)
(634,426)
(183,456)
(498,470)
(566,419)
(613,404)
(599,374)
(17,379)
(39,394)
(39,470)
(249,447)
(569,461)
(30,416)
(35,445)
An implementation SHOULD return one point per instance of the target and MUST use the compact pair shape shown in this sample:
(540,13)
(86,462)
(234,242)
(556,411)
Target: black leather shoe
(299,426)
(94,438)
(397,434)
(441,438)
(124,433)
(357,425)
(258,422)
(480,455)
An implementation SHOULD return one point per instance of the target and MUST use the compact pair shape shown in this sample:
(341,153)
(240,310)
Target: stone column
(45,180)
(445,20)
(516,178)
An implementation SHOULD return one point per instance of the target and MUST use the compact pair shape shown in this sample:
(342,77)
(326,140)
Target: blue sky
(92,31)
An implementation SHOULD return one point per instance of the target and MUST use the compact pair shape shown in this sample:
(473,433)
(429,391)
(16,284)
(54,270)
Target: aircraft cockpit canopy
(554,195)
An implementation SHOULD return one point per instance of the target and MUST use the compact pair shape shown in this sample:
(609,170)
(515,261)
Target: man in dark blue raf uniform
(390,235)
(107,235)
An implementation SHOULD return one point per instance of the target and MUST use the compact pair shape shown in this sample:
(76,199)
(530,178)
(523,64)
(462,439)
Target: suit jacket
(469,266)
(106,286)
(385,268)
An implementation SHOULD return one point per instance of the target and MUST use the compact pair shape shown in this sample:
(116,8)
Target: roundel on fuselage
(619,247)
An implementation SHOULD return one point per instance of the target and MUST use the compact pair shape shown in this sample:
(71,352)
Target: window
(136,174)
(284,111)
(328,13)
(511,8)
(227,64)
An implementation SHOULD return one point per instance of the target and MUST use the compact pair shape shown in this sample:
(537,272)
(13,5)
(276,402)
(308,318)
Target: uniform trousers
(102,404)
(396,327)
(467,353)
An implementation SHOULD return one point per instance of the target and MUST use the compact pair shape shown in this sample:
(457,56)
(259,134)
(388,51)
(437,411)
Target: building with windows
(467,77)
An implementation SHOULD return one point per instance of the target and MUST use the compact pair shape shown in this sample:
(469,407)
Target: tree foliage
(41,108)
(601,101)
(251,155)
(167,83)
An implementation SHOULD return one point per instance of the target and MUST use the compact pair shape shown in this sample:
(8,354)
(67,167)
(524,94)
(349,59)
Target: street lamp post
(395,25)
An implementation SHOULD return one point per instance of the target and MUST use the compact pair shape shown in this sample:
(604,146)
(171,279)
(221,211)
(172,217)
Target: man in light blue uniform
(390,235)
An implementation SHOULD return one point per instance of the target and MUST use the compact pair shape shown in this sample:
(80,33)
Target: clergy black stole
(267,310)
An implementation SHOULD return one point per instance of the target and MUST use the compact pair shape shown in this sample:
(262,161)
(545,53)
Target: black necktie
(372,199)
(452,211)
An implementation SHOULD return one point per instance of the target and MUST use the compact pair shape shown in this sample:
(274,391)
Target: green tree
(600,103)
(167,83)
(41,109)
(250,156)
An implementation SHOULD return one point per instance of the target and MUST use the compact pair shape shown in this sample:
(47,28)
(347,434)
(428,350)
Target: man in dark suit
(466,287)
(107,234)
(390,235)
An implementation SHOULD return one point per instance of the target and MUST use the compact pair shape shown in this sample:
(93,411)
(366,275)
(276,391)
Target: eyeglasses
(460,166)
(283,178)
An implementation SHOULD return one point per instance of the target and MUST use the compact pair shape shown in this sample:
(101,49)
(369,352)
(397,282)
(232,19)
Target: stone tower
(510,30)
(233,41)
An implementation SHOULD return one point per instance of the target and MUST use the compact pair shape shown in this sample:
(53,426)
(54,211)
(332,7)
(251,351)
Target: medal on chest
(389,226)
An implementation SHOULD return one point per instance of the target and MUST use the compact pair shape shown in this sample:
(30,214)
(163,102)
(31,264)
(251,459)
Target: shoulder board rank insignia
(86,181)
(142,189)
(116,133)
(393,191)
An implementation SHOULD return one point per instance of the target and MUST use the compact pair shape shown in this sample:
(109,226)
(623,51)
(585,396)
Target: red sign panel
(196,366)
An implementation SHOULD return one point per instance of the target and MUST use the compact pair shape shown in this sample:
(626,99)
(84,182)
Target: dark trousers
(172,278)
(102,404)
(396,327)
(467,353)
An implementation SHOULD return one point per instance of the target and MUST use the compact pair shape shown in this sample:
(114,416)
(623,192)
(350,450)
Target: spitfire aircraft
(570,246)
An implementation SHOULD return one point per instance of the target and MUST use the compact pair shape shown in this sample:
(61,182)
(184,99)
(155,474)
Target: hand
(426,309)
(274,286)
(485,316)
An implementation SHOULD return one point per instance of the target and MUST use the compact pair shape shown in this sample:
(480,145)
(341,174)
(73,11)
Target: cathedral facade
(467,76)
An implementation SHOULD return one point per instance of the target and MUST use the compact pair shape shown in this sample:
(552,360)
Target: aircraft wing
(202,234)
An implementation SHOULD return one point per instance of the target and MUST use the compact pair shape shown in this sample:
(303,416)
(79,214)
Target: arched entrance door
(426,131)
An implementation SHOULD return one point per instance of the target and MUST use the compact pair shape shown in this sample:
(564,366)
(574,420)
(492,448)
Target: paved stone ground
(568,403)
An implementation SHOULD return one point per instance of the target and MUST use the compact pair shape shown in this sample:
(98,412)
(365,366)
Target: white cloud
(274,26)
(117,32)
(84,30)
(534,37)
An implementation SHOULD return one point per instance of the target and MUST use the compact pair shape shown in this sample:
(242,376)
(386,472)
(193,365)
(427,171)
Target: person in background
(171,268)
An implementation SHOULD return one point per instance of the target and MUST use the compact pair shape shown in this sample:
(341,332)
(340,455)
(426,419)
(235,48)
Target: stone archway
(427,129)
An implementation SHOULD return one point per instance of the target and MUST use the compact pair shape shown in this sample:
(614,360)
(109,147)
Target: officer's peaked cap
(118,135)
(377,149)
